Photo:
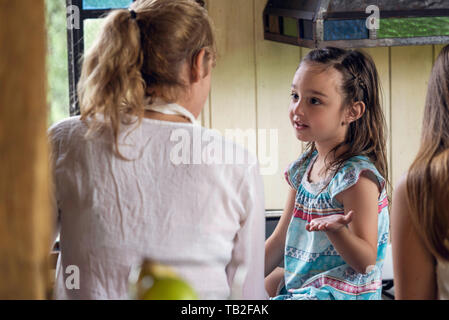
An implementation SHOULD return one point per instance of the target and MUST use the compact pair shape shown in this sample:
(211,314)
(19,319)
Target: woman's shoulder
(401,187)
(400,204)
(60,135)
(64,127)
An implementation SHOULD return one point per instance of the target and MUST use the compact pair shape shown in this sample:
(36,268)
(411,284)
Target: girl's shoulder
(296,169)
(349,174)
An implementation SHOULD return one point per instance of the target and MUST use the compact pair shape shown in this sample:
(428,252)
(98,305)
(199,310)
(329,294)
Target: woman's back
(166,204)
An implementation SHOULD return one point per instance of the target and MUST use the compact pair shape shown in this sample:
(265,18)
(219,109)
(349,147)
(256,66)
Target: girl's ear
(199,68)
(355,112)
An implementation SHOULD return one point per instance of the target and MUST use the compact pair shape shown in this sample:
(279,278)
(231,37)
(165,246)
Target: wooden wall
(25,223)
(251,87)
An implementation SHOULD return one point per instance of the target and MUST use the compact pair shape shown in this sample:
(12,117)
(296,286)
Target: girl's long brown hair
(138,58)
(367,135)
(428,176)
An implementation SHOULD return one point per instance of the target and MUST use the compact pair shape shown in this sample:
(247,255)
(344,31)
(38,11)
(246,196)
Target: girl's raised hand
(330,223)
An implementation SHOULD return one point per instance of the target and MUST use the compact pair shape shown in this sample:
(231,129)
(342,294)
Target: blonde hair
(138,57)
(428,176)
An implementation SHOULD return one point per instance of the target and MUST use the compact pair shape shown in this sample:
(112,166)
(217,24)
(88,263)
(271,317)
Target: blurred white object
(387,271)
(238,282)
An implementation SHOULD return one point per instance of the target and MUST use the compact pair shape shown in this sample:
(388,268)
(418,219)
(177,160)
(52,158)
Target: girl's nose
(298,107)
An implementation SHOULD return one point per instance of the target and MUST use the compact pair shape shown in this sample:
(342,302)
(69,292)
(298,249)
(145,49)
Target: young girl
(334,229)
(420,219)
(121,192)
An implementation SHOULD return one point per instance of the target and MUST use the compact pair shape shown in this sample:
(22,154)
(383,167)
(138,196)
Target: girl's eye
(315,101)
(294,96)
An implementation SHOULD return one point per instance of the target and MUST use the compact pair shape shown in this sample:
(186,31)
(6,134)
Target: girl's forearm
(274,252)
(358,253)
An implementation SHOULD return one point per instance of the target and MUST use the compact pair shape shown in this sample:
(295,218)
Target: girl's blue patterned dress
(313,268)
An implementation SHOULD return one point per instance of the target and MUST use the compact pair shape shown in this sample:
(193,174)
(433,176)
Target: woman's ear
(199,67)
(355,112)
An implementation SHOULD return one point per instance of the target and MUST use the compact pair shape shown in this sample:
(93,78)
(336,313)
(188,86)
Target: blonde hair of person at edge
(121,196)
(420,215)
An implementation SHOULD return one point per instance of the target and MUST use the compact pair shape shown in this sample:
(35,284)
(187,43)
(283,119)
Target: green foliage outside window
(57,65)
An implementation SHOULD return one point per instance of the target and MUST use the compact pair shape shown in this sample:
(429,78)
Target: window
(58,80)
(80,35)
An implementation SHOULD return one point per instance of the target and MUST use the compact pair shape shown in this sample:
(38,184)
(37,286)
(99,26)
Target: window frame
(75,48)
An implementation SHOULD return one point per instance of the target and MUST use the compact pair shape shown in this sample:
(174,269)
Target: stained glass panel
(105,4)
(413,27)
(345,30)
(290,27)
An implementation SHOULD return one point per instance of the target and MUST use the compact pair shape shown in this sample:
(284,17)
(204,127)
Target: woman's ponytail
(111,82)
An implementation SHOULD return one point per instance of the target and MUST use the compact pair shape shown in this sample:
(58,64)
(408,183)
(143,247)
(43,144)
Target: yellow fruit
(155,281)
(169,289)
(158,270)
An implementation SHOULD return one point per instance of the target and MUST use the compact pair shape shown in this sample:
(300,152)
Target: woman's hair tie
(133,14)
(201,3)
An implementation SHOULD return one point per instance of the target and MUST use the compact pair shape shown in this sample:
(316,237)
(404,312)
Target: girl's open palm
(330,223)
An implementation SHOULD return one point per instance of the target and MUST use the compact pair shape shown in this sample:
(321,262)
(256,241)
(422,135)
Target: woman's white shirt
(170,202)
(443,279)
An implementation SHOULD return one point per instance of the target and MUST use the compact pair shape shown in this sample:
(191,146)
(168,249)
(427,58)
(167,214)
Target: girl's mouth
(300,126)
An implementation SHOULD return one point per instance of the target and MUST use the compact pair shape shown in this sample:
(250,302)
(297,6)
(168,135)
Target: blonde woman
(420,217)
(129,181)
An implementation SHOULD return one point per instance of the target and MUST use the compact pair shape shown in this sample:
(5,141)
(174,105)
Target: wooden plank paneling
(437,50)
(381,57)
(25,223)
(410,70)
(204,116)
(233,91)
(304,52)
(276,64)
